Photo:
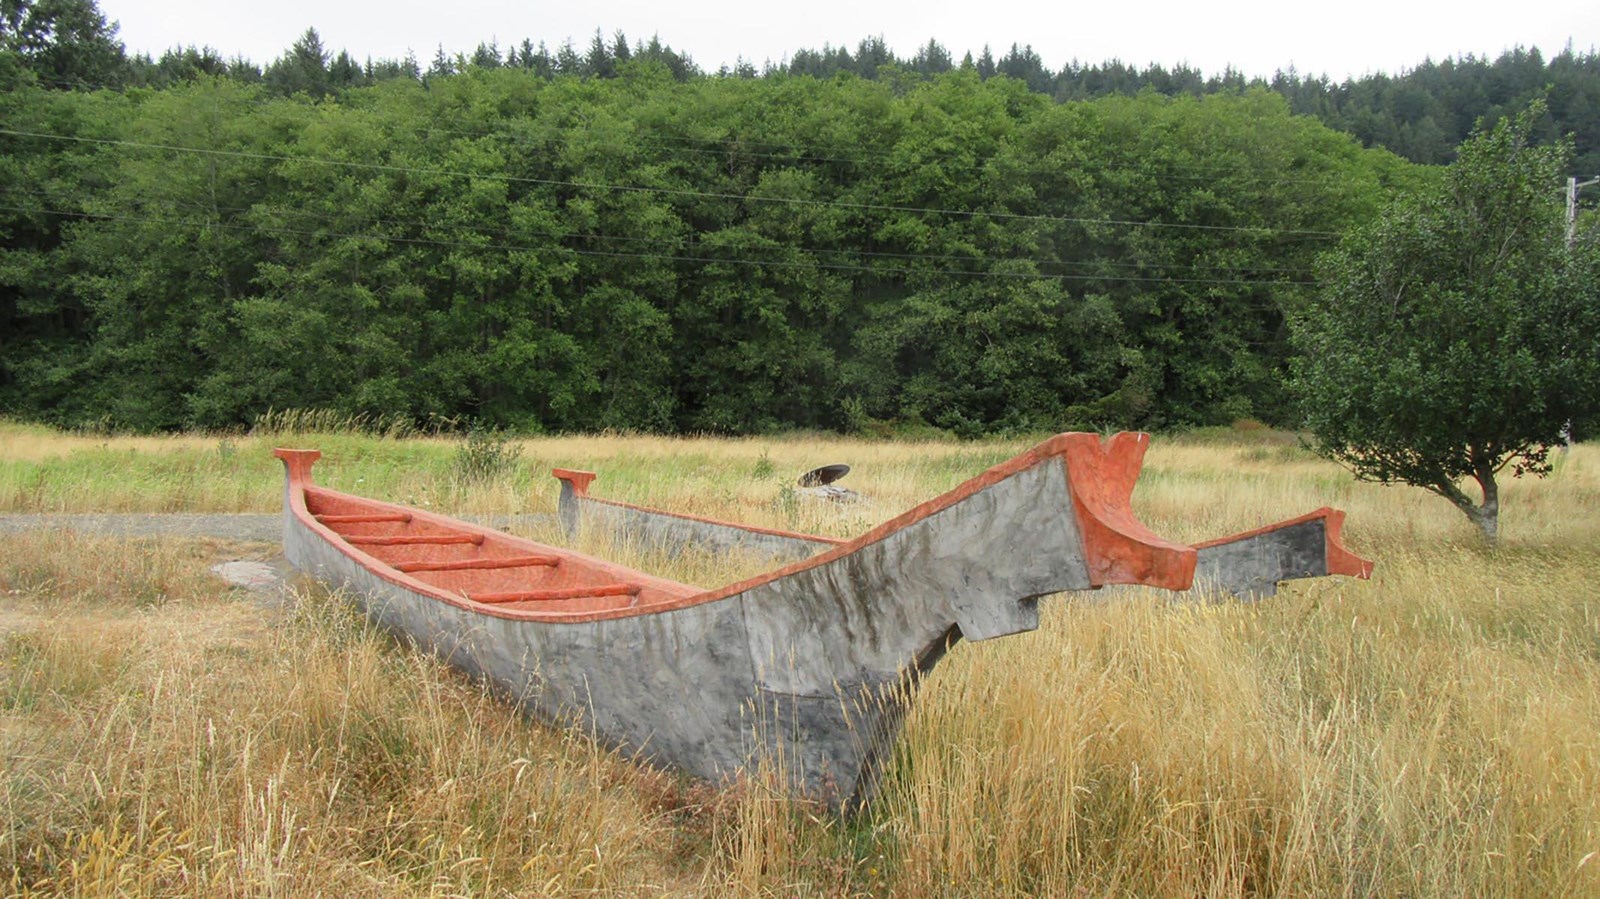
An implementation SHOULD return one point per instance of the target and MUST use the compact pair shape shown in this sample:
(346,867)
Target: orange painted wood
(1340,559)
(416,539)
(580,480)
(551,595)
(364,519)
(1119,548)
(471,564)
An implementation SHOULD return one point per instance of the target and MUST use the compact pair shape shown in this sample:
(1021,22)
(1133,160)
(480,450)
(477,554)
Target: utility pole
(1573,185)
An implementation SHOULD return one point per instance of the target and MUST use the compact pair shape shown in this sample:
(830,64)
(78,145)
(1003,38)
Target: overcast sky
(1256,36)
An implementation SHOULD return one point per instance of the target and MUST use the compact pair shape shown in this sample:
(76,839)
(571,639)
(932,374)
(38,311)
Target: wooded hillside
(714,255)
(570,240)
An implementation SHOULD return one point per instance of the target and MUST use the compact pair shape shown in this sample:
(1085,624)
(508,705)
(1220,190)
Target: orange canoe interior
(485,568)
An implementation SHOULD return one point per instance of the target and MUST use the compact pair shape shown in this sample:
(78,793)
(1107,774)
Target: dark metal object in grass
(827,474)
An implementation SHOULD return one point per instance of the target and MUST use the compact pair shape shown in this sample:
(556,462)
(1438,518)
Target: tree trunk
(1489,513)
(1485,516)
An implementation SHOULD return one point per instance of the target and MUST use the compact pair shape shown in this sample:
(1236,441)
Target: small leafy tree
(1458,334)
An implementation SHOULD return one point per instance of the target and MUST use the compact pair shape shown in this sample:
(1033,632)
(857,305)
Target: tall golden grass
(206,746)
(1432,732)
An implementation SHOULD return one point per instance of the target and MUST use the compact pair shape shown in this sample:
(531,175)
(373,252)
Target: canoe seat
(371,518)
(619,589)
(417,540)
(477,564)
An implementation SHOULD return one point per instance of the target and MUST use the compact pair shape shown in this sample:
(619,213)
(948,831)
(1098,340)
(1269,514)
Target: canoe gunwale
(819,539)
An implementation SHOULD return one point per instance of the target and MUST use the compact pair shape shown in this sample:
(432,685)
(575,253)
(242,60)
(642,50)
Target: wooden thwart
(372,518)
(416,540)
(472,564)
(552,595)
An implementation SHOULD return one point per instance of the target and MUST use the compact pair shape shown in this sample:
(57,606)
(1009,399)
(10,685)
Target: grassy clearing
(1425,736)
(205,746)
(1435,731)
(749,479)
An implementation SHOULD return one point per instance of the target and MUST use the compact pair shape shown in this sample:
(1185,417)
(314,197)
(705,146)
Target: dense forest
(1421,114)
(614,238)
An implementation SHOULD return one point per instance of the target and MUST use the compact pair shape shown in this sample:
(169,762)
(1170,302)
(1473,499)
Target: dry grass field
(1432,732)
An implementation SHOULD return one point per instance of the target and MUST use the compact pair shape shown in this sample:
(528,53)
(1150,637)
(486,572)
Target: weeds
(292,422)
(763,470)
(484,456)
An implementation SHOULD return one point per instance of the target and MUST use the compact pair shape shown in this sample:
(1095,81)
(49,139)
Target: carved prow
(574,485)
(1118,548)
(1340,559)
(297,464)
(1251,564)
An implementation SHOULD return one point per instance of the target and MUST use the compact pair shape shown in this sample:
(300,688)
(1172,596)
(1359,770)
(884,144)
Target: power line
(682,192)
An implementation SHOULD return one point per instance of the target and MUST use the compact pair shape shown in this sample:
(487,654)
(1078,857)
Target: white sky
(1256,36)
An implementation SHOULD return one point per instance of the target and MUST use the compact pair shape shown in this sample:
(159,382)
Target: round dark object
(827,474)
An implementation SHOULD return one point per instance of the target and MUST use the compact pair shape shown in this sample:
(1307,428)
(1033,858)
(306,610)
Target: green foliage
(639,252)
(1458,334)
(763,469)
(853,241)
(62,43)
(483,456)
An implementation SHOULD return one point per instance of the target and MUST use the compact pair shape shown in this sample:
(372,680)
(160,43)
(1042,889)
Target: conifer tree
(304,69)
(65,43)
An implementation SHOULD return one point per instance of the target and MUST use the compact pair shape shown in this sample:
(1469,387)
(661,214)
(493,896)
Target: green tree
(67,43)
(655,250)
(47,187)
(165,254)
(304,69)
(1456,335)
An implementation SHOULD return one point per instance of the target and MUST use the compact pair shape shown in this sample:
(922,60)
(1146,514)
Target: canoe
(810,666)
(1249,565)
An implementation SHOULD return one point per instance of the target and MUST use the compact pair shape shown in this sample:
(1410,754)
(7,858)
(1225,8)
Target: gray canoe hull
(807,669)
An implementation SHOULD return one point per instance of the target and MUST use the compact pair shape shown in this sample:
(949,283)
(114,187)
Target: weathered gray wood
(669,533)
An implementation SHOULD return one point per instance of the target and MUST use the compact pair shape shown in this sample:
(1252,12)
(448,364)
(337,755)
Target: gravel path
(182,524)
(263,527)
(265,578)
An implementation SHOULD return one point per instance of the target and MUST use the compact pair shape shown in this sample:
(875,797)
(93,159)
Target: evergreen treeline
(1421,114)
(620,241)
